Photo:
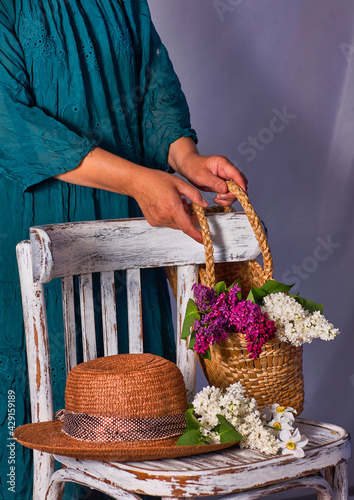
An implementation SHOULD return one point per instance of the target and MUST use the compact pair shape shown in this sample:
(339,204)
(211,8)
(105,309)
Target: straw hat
(127,407)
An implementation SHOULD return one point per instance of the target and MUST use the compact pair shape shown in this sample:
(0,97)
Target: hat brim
(48,437)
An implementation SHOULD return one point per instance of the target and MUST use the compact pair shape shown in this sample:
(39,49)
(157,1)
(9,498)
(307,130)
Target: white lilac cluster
(280,420)
(240,411)
(294,323)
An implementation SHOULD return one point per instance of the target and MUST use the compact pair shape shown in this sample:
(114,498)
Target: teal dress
(74,75)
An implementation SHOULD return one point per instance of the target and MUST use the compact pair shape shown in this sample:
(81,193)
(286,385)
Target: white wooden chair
(65,250)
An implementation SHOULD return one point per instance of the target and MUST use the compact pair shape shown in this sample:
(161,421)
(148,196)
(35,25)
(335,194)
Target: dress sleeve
(165,113)
(33,145)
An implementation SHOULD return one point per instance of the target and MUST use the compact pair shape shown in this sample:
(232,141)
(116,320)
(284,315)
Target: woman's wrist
(181,152)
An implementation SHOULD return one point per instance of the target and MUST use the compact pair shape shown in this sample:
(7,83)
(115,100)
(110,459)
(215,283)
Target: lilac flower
(221,307)
(224,313)
(247,318)
(209,330)
(205,297)
(233,299)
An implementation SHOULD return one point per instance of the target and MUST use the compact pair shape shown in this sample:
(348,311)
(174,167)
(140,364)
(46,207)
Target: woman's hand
(158,194)
(207,173)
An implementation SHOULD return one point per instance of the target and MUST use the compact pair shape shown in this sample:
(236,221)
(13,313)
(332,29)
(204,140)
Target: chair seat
(237,469)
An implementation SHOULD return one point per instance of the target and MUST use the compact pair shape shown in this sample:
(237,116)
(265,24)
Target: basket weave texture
(276,377)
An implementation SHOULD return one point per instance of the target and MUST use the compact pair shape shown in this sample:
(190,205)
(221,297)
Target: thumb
(192,194)
(213,182)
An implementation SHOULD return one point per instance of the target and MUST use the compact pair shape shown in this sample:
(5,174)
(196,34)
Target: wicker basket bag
(276,376)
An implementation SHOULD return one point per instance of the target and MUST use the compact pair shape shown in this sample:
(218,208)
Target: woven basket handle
(256,225)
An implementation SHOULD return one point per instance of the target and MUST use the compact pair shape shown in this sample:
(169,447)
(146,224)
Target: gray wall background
(241,62)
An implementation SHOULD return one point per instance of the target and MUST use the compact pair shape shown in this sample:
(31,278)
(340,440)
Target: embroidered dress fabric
(74,75)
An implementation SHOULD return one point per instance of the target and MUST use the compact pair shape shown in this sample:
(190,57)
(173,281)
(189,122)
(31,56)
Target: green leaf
(192,340)
(273,286)
(191,419)
(307,304)
(256,295)
(191,437)
(206,354)
(191,315)
(227,431)
(220,287)
(250,296)
(225,422)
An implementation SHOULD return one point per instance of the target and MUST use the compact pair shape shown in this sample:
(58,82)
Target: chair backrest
(80,249)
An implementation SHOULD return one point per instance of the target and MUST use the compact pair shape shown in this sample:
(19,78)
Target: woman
(92,117)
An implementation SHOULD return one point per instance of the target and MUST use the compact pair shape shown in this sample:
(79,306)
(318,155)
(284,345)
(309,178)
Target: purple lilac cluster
(248,319)
(220,315)
(204,297)
(210,329)
(212,326)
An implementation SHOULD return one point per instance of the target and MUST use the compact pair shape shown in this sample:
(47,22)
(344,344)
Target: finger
(194,219)
(172,224)
(193,216)
(212,182)
(225,197)
(186,206)
(187,223)
(224,203)
(191,193)
(224,170)
(238,177)
(190,230)
(179,215)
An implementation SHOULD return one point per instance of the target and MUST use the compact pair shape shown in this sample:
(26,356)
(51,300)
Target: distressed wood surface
(135,327)
(186,358)
(316,482)
(109,313)
(37,346)
(86,247)
(229,471)
(87,310)
(172,498)
(60,477)
(67,285)
(337,477)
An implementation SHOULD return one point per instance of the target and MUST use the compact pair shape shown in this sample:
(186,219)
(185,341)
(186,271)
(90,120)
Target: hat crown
(126,386)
